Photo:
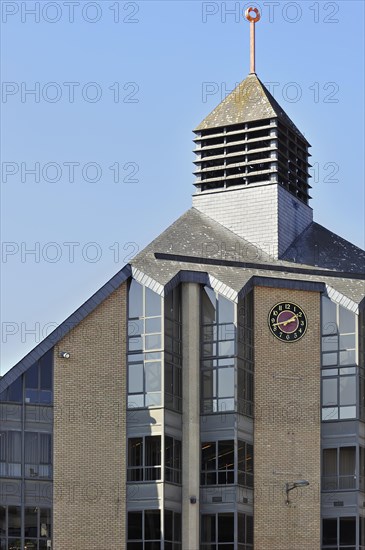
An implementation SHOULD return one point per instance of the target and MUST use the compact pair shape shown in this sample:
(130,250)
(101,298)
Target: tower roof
(249,101)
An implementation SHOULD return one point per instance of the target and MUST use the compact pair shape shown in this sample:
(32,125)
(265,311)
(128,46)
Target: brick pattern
(90,431)
(287,427)
(268,216)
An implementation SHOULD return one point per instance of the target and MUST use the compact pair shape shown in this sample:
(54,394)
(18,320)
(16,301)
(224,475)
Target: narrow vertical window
(144,459)
(173,350)
(339,363)
(218,352)
(144,347)
(245,352)
(173,530)
(172,460)
(2,521)
(245,464)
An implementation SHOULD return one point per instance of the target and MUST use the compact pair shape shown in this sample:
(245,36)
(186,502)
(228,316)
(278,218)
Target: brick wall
(286,427)
(267,215)
(89,431)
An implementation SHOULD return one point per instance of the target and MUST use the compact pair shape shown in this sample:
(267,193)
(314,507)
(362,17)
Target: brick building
(212,394)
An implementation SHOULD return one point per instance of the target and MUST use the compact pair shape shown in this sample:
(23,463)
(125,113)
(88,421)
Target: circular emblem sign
(287,322)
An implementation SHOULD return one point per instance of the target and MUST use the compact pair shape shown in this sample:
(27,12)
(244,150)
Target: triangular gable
(65,327)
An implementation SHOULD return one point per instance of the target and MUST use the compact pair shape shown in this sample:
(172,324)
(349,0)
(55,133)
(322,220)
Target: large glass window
(217,463)
(38,380)
(339,393)
(144,530)
(173,530)
(14,393)
(10,453)
(245,532)
(218,352)
(361,533)
(144,347)
(173,350)
(245,464)
(339,362)
(38,454)
(362,363)
(339,469)
(14,521)
(245,352)
(144,458)
(2,521)
(37,527)
(172,460)
(31,522)
(218,532)
(38,383)
(339,533)
(362,469)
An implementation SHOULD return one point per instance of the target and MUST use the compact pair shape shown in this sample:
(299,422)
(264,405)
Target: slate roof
(317,246)
(198,249)
(249,101)
(197,243)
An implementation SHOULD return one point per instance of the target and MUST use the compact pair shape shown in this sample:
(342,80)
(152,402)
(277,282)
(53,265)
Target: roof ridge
(248,107)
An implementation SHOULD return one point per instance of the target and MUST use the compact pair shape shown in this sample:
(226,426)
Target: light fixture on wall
(64,355)
(290,486)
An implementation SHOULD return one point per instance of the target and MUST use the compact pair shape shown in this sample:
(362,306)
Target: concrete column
(191,415)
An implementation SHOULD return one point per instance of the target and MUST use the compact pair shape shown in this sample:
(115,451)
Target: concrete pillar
(191,415)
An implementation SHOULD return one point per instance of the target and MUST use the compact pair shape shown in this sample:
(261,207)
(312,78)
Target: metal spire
(253,16)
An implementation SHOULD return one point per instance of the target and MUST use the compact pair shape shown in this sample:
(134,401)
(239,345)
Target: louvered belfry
(249,140)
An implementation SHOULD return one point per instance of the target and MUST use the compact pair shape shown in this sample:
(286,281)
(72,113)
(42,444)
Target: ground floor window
(145,530)
(173,531)
(362,533)
(339,533)
(37,528)
(218,532)
(245,532)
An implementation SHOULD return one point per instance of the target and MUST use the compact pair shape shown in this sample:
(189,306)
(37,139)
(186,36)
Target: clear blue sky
(159,57)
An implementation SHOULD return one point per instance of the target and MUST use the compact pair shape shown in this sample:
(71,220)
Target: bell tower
(252,165)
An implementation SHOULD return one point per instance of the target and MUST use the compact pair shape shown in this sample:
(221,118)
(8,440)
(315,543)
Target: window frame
(143,355)
(142,542)
(144,468)
(338,545)
(213,360)
(339,370)
(217,473)
(338,481)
